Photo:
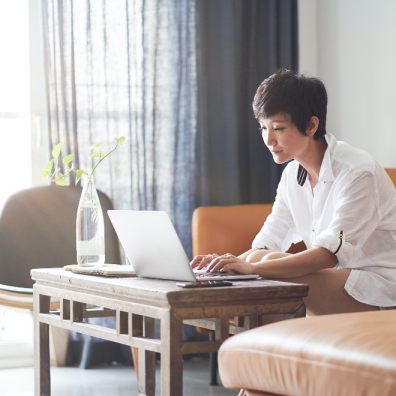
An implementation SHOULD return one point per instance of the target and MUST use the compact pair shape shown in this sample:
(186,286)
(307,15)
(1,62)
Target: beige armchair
(37,230)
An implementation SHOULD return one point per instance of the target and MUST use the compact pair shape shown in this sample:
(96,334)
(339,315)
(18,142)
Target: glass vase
(90,237)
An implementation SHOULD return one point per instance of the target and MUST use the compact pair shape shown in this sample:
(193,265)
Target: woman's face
(283,139)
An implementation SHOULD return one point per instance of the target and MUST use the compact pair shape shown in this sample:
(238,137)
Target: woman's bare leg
(327,294)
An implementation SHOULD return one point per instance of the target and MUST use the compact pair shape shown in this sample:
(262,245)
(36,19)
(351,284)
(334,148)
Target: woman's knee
(255,256)
(327,294)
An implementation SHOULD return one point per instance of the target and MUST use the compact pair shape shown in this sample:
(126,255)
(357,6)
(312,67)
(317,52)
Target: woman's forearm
(293,265)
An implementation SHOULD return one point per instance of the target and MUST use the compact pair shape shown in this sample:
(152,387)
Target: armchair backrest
(227,229)
(38,230)
(392,174)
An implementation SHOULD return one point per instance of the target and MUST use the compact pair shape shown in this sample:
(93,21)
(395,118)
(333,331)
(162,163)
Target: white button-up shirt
(351,212)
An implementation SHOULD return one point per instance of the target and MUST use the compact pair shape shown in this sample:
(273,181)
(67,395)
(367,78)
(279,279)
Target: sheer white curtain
(127,67)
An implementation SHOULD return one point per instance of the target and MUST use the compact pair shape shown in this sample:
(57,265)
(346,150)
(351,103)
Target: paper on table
(102,270)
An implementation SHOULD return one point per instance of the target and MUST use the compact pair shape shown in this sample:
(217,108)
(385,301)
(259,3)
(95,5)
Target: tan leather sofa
(332,355)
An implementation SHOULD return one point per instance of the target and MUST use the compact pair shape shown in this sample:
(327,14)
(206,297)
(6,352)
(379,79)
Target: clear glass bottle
(90,238)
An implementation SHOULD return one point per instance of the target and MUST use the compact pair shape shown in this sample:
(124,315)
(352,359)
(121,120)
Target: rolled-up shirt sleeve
(277,225)
(355,217)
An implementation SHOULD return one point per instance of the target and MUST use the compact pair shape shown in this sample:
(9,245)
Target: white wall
(350,45)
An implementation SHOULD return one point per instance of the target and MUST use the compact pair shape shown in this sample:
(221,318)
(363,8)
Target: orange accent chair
(227,229)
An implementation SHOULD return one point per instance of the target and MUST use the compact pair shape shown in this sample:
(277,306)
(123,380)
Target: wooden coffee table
(136,303)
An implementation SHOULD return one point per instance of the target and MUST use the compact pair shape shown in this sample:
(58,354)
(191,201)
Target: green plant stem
(93,169)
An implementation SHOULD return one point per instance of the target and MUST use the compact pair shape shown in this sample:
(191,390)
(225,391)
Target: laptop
(153,247)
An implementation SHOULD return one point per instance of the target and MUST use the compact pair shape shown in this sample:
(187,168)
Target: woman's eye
(279,129)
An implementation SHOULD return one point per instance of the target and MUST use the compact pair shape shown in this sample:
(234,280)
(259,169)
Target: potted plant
(90,241)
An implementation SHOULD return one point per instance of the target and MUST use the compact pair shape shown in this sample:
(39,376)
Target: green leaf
(120,140)
(52,169)
(68,169)
(46,171)
(68,159)
(56,150)
(79,174)
(62,181)
(98,154)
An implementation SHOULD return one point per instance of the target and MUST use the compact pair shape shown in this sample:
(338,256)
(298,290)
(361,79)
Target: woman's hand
(202,260)
(230,263)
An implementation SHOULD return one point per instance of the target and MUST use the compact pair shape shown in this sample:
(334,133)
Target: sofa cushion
(338,355)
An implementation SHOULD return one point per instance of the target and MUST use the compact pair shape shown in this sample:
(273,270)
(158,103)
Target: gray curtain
(127,67)
(177,78)
(241,43)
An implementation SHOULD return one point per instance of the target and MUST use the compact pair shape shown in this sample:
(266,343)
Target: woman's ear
(313,126)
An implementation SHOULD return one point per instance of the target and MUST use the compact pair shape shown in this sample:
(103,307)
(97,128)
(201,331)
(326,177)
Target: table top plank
(167,291)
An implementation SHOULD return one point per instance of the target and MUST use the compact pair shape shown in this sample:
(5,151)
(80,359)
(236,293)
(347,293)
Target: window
(16,337)
(15,140)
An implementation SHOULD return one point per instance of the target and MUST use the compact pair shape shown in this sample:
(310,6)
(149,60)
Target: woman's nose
(268,137)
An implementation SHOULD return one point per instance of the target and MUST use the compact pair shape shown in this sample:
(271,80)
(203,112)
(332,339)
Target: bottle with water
(90,238)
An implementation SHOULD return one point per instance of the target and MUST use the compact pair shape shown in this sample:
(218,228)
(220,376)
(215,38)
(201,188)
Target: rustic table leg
(222,329)
(213,363)
(300,312)
(146,372)
(42,379)
(171,356)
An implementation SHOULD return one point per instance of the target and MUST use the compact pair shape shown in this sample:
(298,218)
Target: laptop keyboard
(203,274)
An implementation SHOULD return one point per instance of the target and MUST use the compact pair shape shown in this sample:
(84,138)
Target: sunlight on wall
(15,155)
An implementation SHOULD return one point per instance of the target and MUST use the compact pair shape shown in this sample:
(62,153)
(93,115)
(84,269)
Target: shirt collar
(326,170)
(301,175)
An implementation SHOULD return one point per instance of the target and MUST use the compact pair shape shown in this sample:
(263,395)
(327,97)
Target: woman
(332,196)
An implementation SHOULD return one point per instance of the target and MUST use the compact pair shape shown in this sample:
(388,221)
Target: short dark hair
(298,96)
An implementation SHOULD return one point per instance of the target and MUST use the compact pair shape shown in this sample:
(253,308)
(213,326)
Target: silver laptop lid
(151,244)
